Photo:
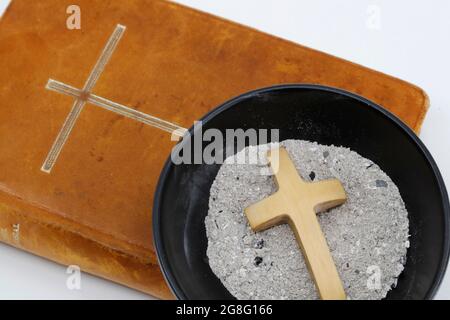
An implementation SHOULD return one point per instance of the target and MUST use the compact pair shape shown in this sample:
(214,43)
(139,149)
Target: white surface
(405,38)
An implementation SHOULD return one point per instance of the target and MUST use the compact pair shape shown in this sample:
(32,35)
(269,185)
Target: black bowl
(328,116)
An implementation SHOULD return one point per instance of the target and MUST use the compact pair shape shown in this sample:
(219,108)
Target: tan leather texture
(95,208)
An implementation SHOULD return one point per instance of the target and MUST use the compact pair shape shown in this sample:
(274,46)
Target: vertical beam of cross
(84,96)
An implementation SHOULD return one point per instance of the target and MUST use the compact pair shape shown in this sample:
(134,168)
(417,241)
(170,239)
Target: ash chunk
(259,244)
(258,261)
(381,184)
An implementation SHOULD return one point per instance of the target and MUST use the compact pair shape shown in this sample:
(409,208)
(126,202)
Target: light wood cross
(84,96)
(296,202)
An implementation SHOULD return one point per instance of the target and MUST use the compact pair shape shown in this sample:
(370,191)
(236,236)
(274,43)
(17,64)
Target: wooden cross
(84,96)
(296,202)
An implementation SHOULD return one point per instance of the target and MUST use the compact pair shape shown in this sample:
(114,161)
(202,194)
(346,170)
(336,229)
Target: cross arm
(267,212)
(326,194)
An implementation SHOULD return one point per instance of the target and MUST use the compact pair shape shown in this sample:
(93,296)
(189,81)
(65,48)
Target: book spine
(18,228)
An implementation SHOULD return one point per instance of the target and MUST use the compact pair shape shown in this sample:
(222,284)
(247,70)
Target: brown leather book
(95,208)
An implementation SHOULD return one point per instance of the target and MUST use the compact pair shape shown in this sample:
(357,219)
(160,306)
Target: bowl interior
(328,116)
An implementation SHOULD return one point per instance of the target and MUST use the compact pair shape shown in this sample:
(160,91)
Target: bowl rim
(157,236)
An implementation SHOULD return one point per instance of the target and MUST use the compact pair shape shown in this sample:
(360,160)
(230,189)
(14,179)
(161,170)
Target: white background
(405,38)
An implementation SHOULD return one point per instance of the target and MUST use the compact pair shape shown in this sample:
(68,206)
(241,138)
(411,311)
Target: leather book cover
(95,207)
